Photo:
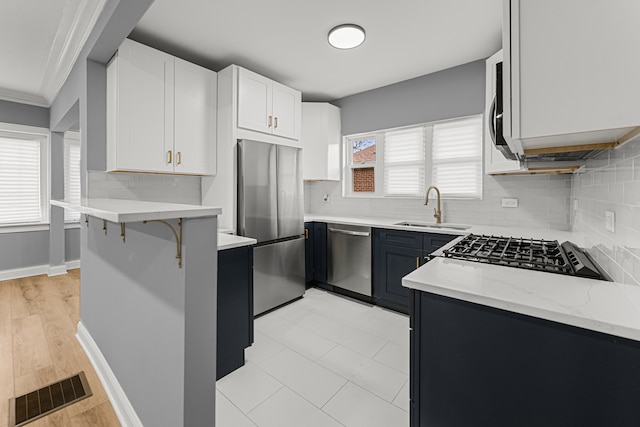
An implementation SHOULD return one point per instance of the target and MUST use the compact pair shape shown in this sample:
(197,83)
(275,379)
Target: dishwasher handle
(350,233)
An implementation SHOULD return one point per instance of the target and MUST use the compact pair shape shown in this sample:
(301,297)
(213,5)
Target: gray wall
(31,248)
(456,92)
(155,323)
(23,114)
(611,182)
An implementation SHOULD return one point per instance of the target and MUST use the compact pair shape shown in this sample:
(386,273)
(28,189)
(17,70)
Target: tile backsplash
(543,202)
(147,187)
(611,182)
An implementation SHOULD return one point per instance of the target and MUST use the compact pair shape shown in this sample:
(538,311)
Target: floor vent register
(31,406)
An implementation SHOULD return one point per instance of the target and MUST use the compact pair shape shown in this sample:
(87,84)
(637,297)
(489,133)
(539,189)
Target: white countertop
(612,308)
(230,241)
(120,210)
(389,223)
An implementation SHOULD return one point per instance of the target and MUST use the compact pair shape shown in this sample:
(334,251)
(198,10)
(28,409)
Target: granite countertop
(120,210)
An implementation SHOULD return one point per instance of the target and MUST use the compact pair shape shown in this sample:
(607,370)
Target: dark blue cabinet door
(320,252)
(395,254)
(433,241)
(235,308)
(308,251)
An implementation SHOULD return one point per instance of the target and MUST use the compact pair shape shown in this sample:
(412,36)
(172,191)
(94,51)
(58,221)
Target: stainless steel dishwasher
(349,263)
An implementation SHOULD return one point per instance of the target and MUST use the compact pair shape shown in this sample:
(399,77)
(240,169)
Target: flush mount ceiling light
(346,36)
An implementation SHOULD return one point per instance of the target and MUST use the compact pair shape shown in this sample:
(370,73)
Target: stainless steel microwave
(495,118)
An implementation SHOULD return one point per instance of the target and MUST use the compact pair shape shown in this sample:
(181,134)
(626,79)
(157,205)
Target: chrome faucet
(437,213)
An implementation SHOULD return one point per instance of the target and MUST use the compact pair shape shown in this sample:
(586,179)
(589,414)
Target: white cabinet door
(494,160)
(144,105)
(254,102)
(195,119)
(572,69)
(321,135)
(286,111)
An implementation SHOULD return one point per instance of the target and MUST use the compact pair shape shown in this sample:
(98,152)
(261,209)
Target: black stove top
(532,254)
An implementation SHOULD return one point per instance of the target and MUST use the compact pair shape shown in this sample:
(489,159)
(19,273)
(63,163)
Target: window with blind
(72,174)
(404,162)
(456,158)
(447,154)
(23,188)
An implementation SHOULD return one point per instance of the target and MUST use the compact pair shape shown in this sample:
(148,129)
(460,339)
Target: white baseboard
(36,270)
(57,270)
(121,405)
(73,264)
(17,273)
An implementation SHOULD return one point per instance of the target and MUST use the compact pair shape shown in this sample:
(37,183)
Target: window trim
(349,165)
(43,135)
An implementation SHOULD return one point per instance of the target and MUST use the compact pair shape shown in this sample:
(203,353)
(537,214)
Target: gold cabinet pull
(417,262)
(306,233)
(170,154)
(275,119)
(179,157)
(270,121)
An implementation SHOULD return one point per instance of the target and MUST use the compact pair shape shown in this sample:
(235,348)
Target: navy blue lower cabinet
(473,365)
(320,252)
(395,254)
(308,251)
(235,308)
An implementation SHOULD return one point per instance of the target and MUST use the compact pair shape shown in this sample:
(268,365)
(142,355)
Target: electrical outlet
(509,203)
(610,221)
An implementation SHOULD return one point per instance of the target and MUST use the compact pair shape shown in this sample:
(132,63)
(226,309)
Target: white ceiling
(286,40)
(39,43)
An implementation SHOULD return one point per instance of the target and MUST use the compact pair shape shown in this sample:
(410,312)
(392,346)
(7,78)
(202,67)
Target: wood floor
(38,319)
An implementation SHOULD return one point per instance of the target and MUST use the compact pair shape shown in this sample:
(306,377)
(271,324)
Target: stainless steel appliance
(349,264)
(532,254)
(271,210)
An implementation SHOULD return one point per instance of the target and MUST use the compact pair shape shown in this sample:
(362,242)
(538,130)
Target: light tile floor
(322,361)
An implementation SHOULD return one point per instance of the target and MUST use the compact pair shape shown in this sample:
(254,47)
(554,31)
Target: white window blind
(71,177)
(404,162)
(457,157)
(20,192)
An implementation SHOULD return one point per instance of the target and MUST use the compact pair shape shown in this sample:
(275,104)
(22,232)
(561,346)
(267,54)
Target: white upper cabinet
(161,114)
(571,72)
(195,119)
(494,160)
(321,135)
(267,106)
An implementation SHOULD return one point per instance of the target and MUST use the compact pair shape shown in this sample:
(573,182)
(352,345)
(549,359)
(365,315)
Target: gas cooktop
(532,254)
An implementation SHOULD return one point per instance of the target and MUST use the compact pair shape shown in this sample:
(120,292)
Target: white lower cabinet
(161,113)
(321,135)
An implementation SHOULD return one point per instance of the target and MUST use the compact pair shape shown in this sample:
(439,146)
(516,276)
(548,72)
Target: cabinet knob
(169,157)
(179,157)
(275,119)
(270,121)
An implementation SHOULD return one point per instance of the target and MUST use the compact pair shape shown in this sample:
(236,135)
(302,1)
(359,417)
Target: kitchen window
(403,162)
(24,193)
(72,174)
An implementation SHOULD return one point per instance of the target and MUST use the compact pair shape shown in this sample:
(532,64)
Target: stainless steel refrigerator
(271,210)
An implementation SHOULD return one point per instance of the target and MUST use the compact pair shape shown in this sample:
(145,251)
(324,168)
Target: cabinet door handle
(417,262)
(275,119)
(270,121)
(179,157)
(170,157)
(306,233)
